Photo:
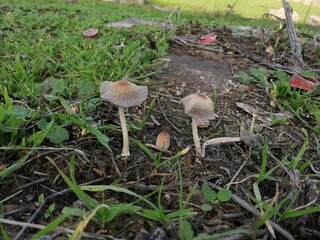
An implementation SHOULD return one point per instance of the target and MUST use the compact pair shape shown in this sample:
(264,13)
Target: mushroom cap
(123,93)
(163,140)
(199,106)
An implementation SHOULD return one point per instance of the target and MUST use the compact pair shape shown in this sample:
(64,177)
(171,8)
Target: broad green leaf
(206,207)
(74,211)
(208,194)
(224,195)
(58,135)
(57,85)
(185,232)
(244,78)
(87,87)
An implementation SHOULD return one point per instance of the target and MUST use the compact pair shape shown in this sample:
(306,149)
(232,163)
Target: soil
(187,70)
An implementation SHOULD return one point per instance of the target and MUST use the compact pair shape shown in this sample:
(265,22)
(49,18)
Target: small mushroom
(200,107)
(123,94)
(163,140)
(90,33)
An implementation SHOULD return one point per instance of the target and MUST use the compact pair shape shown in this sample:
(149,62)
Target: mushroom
(90,33)
(163,140)
(200,107)
(123,94)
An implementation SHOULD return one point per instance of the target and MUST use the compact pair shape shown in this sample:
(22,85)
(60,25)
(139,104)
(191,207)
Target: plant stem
(216,141)
(125,148)
(196,137)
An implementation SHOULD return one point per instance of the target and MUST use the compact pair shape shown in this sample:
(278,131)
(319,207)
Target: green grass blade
(51,226)
(147,116)
(294,163)
(99,188)
(180,214)
(72,168)
(299,213)
(264,162)
(16,165)
(223,234)
(89,202)
(145,149)
(270,211)
(4,233)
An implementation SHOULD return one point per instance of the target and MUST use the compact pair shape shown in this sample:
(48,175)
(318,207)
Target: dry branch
(295,45)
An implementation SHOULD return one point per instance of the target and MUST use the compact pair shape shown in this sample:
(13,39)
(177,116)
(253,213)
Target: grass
(49,83)
(243,8)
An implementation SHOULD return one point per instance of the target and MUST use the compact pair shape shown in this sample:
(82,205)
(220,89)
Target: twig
(48,148)
(295,45)
(169,22)
(159,103)
(115,165)
(230,7)
(274,16)
(158,148)
(11,196)
(236,175)
(35,214)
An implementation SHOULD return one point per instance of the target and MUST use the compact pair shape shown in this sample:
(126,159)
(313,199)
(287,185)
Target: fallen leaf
(208,39)
(305,83)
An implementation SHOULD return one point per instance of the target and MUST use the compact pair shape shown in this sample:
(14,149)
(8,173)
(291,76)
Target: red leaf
(305,83)
(208,39)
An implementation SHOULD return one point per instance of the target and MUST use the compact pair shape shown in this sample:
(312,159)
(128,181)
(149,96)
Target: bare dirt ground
(188,70)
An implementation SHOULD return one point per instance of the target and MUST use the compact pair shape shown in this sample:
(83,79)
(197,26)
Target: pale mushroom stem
(125,148)
(216,141)
(196,136)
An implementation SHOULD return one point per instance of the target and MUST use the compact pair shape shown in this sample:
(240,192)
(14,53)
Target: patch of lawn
(251,9)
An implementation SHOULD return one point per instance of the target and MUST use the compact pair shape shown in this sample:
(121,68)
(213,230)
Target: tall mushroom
(123,94)
(200,107)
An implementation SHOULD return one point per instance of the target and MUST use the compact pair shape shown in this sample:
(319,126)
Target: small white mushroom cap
(199,106)
(123,93)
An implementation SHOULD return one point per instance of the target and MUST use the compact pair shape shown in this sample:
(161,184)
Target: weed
(223,195)
(300,102)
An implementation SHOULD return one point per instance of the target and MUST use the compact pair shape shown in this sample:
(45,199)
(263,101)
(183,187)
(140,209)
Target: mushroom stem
(216,141)
(125,148)
(196,136)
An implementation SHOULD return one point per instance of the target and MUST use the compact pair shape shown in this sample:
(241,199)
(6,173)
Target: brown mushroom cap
(123,93)
(199,106)
(163,140)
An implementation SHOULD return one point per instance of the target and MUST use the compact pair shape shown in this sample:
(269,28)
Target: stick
(295,45)
(169,22)
(159,103)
